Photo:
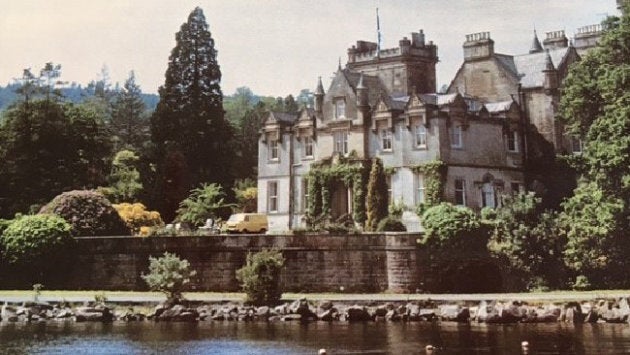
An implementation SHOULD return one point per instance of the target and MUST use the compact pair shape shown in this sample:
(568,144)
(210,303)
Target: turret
(551,75)
(362,94)
(536,46)
(319,96)
(478,46)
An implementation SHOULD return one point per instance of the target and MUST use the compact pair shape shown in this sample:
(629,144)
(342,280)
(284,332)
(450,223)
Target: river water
(294,338)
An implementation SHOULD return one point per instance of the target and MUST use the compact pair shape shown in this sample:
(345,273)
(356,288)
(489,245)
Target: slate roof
(284,117)
(376,89)
(530,67)
(438,99)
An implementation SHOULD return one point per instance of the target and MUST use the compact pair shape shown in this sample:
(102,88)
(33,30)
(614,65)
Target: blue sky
(276,47)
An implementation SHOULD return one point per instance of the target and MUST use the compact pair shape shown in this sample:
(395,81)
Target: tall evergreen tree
(376,203)
(189,117)
(129,124)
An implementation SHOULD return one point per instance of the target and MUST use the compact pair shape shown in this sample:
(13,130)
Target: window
(272,195)
(512,141)
(419,189)
(308,147)
(488,196)
(456,136)
(273,149)
(576,145)
(304,195)
(341,142)
(420,136)
(460,192)
(386,139)
(340,108)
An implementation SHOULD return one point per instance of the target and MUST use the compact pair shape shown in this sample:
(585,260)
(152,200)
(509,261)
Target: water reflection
(294,338)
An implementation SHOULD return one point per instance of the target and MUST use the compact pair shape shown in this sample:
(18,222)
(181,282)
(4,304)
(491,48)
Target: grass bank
(211,297)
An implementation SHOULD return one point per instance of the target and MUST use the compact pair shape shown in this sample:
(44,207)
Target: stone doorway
(340,200)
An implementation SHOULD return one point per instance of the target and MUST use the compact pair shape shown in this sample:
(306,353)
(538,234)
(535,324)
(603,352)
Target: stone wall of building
(314,263)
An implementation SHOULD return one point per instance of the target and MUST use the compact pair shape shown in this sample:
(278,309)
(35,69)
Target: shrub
(169,274)
(136,216)
(260,277)
(89,213)
(446,223)
(37,245)
(376,203)
(391,224)
(203,203)
(4,223)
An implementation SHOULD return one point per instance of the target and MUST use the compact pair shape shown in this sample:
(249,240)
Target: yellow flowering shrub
(138,219)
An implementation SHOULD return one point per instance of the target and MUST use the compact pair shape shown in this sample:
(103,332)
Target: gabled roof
(530,66)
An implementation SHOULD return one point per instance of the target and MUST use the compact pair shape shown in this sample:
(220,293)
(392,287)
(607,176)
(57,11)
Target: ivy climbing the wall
(434,174)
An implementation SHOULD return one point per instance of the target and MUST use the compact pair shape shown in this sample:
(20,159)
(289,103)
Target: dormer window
(386,139)
(340,108)
(273,149)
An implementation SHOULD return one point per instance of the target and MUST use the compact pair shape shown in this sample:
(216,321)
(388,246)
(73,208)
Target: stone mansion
(384,104)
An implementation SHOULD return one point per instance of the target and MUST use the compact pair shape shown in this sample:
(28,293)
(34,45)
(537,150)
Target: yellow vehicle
(247,223)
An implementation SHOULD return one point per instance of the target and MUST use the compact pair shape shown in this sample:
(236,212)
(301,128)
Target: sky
(274,47)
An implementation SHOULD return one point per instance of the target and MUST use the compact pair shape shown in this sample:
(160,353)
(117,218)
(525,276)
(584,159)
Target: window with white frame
(512,141)
(488,196)
(273,149)
(420,134)
(304,195)
(456,136)
(419,189)
(272,196)
(386,139)
(341,142)
(308,147)
(460,192)
(340,108)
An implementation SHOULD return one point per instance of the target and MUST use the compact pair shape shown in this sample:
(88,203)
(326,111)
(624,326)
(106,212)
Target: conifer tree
(129,124)
(376,203)
(189,118)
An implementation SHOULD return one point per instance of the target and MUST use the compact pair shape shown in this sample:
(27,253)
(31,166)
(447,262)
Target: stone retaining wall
(314,263)
(370,262)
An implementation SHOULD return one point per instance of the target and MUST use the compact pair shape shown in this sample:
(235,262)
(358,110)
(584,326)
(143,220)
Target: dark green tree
(129,125)
(189,118)
(376,202)
(596,107)
(290,105)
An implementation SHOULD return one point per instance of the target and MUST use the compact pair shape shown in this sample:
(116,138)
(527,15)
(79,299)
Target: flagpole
(378,35)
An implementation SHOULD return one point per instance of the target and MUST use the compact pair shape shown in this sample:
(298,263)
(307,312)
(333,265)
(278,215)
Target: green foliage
(320,180)
(593,223)
(376,203)
(528,241)
(396,209)
(129,124)
(169,274)
(203,203)
(596,107)
(434,174)
(246,195)
(47,147)
(446,224)
(391,224)
(37,245)
(124,180)
(260,277)
(88,212)
(189,118)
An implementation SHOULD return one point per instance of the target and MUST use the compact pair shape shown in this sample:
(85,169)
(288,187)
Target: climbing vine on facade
(434,174)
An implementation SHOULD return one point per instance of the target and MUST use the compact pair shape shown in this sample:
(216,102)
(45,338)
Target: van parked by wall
(247,223)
